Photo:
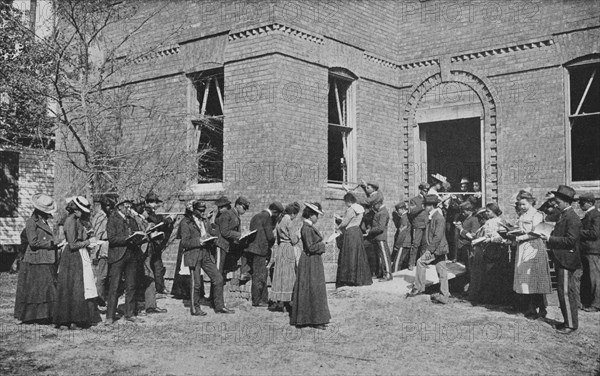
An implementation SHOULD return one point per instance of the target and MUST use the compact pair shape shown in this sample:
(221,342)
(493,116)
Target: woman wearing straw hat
(76,304)
(309,299)
(36,288)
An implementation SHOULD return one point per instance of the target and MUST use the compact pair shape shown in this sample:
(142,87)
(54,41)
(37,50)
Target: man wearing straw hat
(564,246)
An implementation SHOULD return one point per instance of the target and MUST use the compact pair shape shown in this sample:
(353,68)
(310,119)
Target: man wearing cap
(195,232)
(259,249)
(590,253)
(123,256)
(227,222)
(377,235)
(373,193)
(435,253)
(418,222)
(564,251)
(157,246)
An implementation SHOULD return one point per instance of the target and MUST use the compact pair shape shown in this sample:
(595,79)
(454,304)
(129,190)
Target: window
(9,183)
(341,121)
(207,124)
(584,119)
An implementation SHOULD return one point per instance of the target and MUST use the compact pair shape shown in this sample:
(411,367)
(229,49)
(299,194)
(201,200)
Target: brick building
(295,97)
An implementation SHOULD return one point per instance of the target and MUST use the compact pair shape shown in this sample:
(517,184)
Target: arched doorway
(450,129)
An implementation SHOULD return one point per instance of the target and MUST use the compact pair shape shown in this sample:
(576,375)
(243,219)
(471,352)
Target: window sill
(206,191)
(334,191)
(581,186)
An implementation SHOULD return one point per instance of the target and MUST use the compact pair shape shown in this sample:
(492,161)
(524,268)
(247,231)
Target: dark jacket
(312,241)
(41,248)
(264,238)
(228,227)
(564,241)
(118,230)
(153,219)
(402,230)
(378,229)
(75,234)
(191,239)
(470,226)
(435,235)
(416,212)
(590,233)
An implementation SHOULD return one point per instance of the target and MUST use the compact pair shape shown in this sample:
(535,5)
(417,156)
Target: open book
(478,240)
(247,235)
(137,236)
(155,227)
(543,228)
(208,240)
(332,237)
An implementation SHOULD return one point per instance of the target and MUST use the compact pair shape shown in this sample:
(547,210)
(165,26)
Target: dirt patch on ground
(372,332)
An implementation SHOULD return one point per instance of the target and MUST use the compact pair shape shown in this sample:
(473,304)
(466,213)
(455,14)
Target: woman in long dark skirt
(36,286)
(309,299)
(353,264)
(76,304)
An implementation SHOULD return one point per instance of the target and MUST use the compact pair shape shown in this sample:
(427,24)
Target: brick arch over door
(489,135)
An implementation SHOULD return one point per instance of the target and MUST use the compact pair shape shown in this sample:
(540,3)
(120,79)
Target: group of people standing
(212,241)
(506,263)
(64,282)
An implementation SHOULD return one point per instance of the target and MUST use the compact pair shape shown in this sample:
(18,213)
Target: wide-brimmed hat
(222,201)
(82,203)
(314,206)
(439,177)
(565,192)
(43,203)
(464,181)
(153,197)
(431,200)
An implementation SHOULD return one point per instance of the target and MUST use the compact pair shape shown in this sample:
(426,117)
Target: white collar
(270,212)
(308,221)
(431,213)
(590,209)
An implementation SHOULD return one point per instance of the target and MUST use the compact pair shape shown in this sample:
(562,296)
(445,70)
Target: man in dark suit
(195,232)
(123,257)
(157,246)
(259,250)
(564,246)
(590,253)
(435,254)
(467,228)
(377,235)
(227,222)
(417,217)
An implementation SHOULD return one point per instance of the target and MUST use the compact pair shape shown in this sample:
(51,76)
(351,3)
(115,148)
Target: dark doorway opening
(453,149)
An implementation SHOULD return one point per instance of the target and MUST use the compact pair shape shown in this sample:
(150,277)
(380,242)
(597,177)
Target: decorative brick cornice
(502,50)
(397,66)
(275,28)
(167,51)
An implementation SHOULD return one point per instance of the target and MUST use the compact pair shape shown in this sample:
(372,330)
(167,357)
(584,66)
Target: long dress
(353,263)
(72,307)
(309,300)
(284,261)
(532,271)
(36,285)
